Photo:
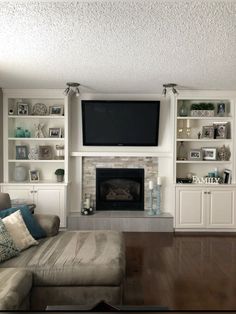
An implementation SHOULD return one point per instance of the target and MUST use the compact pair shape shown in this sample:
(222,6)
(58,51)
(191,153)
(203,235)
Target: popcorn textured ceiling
(118,46)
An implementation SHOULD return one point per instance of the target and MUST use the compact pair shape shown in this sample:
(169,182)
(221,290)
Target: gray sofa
(71,267)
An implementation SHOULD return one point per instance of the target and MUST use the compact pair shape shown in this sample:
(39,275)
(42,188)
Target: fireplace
(119,189)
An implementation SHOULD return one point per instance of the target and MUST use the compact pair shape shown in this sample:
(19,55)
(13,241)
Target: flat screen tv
(120,123)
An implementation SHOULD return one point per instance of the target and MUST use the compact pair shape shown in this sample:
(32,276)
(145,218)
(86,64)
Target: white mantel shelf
(121,154)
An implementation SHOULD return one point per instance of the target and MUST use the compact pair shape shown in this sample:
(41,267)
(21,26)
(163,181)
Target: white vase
(20,174)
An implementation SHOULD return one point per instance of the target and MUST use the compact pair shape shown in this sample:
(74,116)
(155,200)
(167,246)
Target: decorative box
(202,113)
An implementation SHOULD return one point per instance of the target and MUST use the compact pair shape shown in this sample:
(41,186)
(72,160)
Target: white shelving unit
(47,187)
(203,207)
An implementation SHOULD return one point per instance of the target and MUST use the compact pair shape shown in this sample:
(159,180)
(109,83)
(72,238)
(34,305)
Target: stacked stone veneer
(149,164)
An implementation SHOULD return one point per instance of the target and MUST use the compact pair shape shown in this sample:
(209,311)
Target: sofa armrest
(49,223)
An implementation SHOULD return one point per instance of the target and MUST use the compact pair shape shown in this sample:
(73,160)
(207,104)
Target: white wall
(1,135)
(164,149)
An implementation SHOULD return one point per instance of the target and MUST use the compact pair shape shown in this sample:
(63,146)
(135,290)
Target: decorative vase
(183,111)
(27,133)
(20,174)
(60,178)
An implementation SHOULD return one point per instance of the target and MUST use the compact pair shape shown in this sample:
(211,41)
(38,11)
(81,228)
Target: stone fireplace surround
(149,164)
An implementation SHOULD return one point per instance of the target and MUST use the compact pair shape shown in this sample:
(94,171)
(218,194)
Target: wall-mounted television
(120,123)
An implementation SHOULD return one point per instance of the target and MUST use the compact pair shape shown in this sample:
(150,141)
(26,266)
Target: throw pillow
(31,223)
(20,234)
(7,246)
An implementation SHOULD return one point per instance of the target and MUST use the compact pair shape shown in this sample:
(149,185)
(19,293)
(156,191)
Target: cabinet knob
(208,192)
(205,192)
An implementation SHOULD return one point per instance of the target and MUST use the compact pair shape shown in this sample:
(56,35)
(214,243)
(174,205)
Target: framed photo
(45,152)
(209,153)
(34,175)
(221,130)
(22,109)
(227,176)
(54,132)
(208,131)
(21,152)
(195,154)
(56,110)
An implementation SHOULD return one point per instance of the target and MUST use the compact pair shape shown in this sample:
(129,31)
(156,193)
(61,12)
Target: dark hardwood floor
(182,272)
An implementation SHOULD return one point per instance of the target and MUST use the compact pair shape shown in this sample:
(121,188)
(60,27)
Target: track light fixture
(72,87)
(171,86)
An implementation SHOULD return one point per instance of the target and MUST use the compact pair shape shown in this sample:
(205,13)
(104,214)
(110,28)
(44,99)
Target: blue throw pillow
(33,226)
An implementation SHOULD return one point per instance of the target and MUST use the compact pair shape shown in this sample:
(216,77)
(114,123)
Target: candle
(188,123)
(150,184)
(159,180)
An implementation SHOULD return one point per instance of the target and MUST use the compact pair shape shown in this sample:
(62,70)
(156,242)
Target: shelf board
(36,139)
(202,162)
(36,117)
(228,140)
(205,118)
(121,154)
(41,182)
(37,160)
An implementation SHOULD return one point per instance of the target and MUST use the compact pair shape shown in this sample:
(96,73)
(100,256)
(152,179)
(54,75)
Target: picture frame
(195,154)
(45,152)
(22,109)
(227,176)
(55,132)
(34,175)
(209,153)
(208,131)
(21,152)
(221,130)
(56,110)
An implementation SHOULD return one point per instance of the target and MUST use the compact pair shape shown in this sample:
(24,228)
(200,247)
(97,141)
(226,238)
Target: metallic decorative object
(224,153)
(40,109)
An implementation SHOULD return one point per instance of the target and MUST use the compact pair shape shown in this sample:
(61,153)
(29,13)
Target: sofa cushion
(16,287)
(16,227)
(75,258)
(7,246)
(31,223)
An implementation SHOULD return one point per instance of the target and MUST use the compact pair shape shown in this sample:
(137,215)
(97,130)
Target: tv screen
(120,123)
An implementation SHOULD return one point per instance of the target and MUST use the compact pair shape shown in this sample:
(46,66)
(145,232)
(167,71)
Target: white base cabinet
(49,199)
(205,208)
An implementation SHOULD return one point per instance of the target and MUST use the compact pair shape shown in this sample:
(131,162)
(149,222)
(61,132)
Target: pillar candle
(188,123)
(150,184)
(159,180)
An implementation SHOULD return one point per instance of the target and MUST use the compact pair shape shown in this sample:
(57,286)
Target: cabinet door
(190,208)
(221,212)
(24,193)
(50,200)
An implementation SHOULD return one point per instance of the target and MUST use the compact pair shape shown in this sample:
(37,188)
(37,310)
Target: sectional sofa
(66,267)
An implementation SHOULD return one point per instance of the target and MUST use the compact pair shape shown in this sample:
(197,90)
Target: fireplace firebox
(119,189)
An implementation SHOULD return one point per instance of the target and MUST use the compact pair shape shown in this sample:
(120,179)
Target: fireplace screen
(121,189)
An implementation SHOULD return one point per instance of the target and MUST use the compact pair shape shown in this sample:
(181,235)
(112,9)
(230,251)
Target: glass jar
(59,151)
(182,153)
(19,132)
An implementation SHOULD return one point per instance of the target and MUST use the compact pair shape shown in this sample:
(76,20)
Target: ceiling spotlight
(164,91)
(72,87)
(171,86)
(77,92)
